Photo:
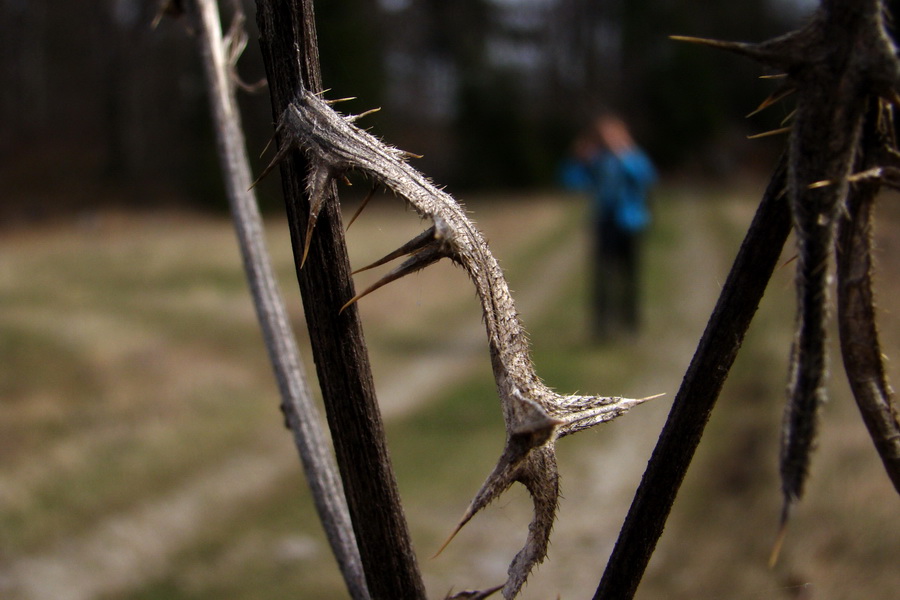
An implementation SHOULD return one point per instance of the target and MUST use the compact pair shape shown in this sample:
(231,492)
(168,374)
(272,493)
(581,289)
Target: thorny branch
(838,66)
(535,416)
(300,412)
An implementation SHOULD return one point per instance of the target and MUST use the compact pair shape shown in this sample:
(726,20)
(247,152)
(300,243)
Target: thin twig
(699,391)
(300,412)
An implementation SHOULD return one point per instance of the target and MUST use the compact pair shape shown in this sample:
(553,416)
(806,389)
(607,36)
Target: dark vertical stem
(290,53)
(860,344)
(699,391)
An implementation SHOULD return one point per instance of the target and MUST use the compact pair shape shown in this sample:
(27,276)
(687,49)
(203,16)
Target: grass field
(143,455)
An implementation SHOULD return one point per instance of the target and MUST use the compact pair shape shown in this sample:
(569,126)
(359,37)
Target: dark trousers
(615,285)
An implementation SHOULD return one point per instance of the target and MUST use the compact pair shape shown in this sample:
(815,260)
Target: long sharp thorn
(271,139)
(353,118)
(739,47)
(470,512)
(773,53)
(500,480)
(475,594)
(820,184)
(769,133)
(876,174)
(418,242)
(773,99)
(307,239)
(310,226)
(789,116)
(779,539)
(279,156)
(337,100)
(318,183)
(776,547)
(416,262)
(449,539)
(362,205)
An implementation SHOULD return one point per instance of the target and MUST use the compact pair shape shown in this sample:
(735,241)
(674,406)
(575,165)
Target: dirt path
(127,550)
(611,476)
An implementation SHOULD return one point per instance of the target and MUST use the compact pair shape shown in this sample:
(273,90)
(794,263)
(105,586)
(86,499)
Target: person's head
(613,132)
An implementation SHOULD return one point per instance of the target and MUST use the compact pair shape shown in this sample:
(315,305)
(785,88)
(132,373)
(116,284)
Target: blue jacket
(618,185)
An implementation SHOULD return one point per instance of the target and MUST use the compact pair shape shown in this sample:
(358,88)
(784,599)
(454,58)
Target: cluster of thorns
(843,70)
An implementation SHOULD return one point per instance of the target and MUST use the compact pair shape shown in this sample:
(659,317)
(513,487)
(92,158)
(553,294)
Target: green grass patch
(39,353)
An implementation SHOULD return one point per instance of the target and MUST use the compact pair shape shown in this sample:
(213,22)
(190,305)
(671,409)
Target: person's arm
(575,175)
(637,167)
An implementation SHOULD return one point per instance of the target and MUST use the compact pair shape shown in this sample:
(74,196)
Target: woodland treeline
(99,106)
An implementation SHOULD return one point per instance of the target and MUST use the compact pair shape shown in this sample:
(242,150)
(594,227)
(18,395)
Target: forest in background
(97,106)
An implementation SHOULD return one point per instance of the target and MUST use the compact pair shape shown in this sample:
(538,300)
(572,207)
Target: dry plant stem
(290,54)
(837,64)
(822,147)
(698,393)
(859,335)
(535,416)
(860,345)
(300,412)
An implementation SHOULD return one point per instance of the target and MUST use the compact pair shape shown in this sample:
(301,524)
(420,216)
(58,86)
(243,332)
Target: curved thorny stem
(836,66)
(534,415)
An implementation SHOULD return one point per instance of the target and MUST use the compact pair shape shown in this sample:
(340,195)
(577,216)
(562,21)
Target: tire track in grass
(125,550)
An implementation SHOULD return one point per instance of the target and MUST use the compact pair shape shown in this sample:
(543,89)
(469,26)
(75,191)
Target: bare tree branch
(300,412)
(698,393)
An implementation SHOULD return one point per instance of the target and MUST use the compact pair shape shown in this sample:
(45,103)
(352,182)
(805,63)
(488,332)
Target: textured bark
(698,393)
(288,42)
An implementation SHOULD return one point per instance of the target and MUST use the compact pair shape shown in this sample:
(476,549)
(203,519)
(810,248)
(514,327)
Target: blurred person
(608,165)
